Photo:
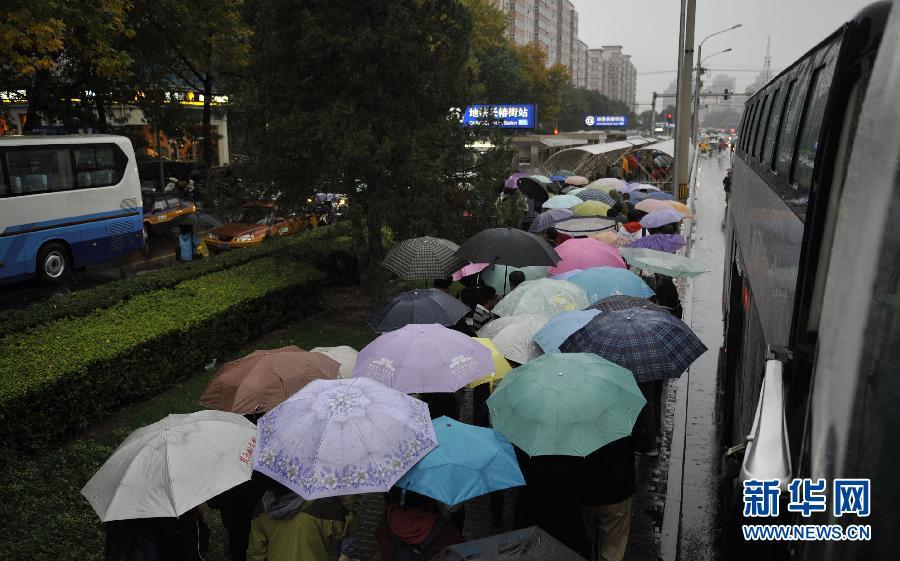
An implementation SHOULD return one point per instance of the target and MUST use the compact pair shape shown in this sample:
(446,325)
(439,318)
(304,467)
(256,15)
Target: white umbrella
(344,355)
(167,468)
(514,341)
(543,296)
(492,328)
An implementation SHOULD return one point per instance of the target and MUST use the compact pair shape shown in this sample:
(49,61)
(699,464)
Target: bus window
(772,127)
(812,125)
(745,133)
(788,133)
(759,126)
(763,126)
(39,170)
(98,166)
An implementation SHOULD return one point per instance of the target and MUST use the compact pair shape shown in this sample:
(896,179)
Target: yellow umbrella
(501,365)
(591,208)
(682,208)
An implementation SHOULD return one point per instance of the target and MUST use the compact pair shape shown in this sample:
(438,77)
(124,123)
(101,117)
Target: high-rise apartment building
(546,14)
(611,72)
(580,67)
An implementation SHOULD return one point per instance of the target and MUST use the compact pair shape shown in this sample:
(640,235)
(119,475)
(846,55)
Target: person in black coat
(606,485)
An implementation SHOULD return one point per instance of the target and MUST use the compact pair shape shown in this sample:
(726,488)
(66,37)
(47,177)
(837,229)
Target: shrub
(328,249)
(67,374)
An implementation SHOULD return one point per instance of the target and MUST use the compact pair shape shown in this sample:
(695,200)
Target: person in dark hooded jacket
(412,519)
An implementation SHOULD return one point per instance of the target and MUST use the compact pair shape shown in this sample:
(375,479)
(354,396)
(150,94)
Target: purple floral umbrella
(669,243)
(343,437)
(661,218)
(421,358)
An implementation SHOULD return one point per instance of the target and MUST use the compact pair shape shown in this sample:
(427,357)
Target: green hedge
(328,249)
(65,375)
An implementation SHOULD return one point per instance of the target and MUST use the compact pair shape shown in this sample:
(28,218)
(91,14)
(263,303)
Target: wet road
(696,417)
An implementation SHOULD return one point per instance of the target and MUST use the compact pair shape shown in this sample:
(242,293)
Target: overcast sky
(648,31)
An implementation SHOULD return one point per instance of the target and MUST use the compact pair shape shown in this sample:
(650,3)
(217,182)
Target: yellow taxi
(250,225)
(163,210)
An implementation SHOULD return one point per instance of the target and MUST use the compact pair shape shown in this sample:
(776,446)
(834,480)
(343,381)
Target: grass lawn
(44,515)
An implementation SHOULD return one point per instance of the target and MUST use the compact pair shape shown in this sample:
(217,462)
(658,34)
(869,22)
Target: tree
(578,102)
(542,85)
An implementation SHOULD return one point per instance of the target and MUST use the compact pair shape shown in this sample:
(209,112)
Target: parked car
(251,224)
(164,210)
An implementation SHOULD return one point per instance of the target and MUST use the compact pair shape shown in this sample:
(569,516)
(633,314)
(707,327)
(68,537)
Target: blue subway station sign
(605,120)
(504,116)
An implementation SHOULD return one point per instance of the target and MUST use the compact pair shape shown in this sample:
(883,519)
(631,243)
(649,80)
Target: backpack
(407,552)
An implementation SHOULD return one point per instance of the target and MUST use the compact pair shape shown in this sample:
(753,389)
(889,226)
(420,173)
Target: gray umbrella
(507,246)
(527,544)
(423,258)
(427,305)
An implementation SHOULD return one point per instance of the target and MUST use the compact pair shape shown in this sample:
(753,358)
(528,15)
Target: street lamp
(728,50)
(699,60)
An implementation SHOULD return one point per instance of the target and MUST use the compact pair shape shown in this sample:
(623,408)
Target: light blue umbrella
(468,462)
(600,282)
(558,329)
(566,275)
(498,276)
(562,201)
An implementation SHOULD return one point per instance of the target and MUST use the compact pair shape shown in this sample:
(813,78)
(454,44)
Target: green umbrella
(670,264)
(566,404)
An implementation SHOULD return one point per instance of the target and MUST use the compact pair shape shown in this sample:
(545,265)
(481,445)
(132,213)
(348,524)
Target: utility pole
(653,115)
(683,102)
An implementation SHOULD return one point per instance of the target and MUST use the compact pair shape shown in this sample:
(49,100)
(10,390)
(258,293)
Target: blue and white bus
(66,202)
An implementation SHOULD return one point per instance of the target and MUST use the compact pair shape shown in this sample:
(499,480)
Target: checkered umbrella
(654,345)
(423,258)
(623,302)
(596,195)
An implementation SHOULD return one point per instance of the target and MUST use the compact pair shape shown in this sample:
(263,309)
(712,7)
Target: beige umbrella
(263,379)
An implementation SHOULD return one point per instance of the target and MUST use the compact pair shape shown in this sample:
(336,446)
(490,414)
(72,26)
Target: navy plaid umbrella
(654,345)
(596,195)
(622,302)
(428,305)
(423,258)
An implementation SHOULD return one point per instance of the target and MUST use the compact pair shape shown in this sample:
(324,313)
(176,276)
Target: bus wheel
(146,231)
(53,263)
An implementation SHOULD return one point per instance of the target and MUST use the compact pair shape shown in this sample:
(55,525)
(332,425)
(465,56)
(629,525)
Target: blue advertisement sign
(504,116)
(606,120)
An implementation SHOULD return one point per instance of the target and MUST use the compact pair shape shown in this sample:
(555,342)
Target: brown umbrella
(264,378)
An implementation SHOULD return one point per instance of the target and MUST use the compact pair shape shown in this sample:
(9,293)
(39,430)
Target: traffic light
(726,94)
(555,131)
(669,117)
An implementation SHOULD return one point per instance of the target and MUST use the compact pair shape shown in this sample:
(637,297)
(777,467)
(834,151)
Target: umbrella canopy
(542,178)
(428,305)
(608,184)
(610,237)
(468,270)
(507,246)
(512,182)
(343,437)
(424,358)
(542,297)
(654,345)
(584,253)
(533,190)
(576,180)
(566,404)
(468,462)
(260,381)
(584,226)
(165,469)
(661,218)
(567,275)
(600,282)
(682,208)
(644,187)
(549,218)
(562,201)
(661,196)
(514,341)
(344,355)
(498,276)
(621,302)
(527,544)
(501,365)
(493,327)
(649,205)
(423,258)
(560,327)
(669,243)
(591,208)
(670,264)
(565,172)
(634,197)
(557,178)
(595,195)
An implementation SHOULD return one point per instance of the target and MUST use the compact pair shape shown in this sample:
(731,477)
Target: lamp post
(697,89)
(695,118)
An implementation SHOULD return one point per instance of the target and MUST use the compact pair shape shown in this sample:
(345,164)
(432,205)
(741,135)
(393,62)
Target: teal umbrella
(469,462)
(566,404)
(669,264)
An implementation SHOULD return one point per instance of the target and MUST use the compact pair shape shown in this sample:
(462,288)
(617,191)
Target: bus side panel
(12,256)
(769,235)
(109,239)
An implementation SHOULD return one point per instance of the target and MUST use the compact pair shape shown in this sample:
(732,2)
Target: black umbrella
(423,258)
(527,544)
(507,246)
(427,305)
(532,189)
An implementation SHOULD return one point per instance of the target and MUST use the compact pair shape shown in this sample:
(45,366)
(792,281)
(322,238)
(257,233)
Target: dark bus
(810,371)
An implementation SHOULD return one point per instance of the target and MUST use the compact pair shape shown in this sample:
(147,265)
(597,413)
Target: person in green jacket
(293,529)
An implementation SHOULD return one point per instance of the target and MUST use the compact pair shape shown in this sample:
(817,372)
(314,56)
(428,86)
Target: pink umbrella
(653,205)
(584,253)
(577,180)
(470,270)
